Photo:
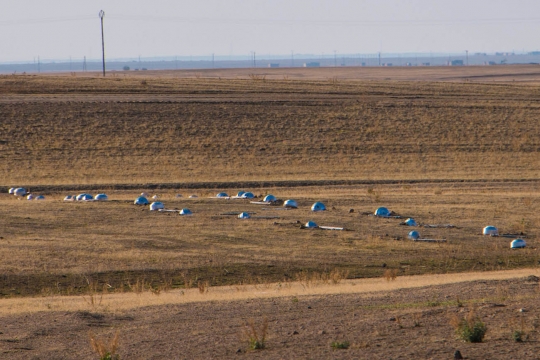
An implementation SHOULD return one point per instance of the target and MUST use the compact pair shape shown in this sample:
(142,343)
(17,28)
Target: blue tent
(382,211)
(222,195)
(269,198)
(244,215)
(240,193)
(247,195)
(84,197)
(40,197)
(410,222)
(141,200)
(414,235)
(518,244)
(290,204)
(156,206)
(185,211)
(311,225)
(490,230)
(19,192)
(318,206)
(101,197)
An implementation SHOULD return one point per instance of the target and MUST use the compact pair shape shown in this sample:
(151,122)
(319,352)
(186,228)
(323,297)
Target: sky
(60,29)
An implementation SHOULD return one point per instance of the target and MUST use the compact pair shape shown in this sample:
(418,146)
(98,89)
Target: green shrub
(518,335)
(470,328)
(256,338)
(340,344)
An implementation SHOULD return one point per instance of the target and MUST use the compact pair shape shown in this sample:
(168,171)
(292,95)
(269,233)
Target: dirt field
(399,324)
(445,146)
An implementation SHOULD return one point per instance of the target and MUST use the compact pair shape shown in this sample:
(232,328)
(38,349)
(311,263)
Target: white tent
(311,225)
(244,215)
(19,192)
(383,212)
(193,196)
(11,190)
(185,211)
(414,235)
(144,194)
(40,197)
(292,204)
(101,197)
(490,230)
(269,198)
(156,206)
(318,206)
(30,197)
(141,200)
(69,198)
(518,244)
(155,197)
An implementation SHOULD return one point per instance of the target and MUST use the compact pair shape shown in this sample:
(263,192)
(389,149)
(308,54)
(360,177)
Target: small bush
(518,336)
(340,344)
(105,351)
(390,274)
(470,328)
(256,338)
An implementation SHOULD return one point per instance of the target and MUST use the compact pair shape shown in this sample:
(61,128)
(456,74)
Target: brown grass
(255,335)
(64,130)
(122,247)
(107,350)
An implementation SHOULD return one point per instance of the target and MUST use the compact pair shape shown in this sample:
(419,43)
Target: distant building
(387,64)
(490,63)
(273,65)
(312,64)
(455,63)
(426,64)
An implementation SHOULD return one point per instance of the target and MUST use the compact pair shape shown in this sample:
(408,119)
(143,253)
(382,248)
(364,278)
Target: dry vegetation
(63,130)
(444,153)
(58,247)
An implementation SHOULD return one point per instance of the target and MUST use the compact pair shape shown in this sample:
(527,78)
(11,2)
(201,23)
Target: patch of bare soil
(401,324)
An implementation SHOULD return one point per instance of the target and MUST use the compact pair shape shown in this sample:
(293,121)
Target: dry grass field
(73,130)
(444,146)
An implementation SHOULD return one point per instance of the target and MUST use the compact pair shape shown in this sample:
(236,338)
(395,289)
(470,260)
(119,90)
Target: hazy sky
(58,29)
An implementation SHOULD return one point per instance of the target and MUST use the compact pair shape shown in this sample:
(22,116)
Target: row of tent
(23,192)
(87,197)
(317,206)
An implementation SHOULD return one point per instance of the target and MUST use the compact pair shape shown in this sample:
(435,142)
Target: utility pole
(213,64)
(254,60)
(335,59)
(379,58)
(101,16)
(292,58)
(467,52)
(84,64)
(38,65)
